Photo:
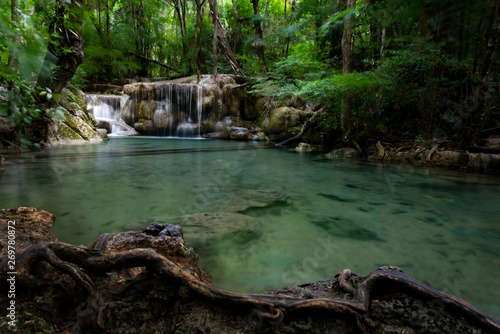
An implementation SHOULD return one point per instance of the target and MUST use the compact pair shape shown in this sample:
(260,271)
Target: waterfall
(165,109)
(106,110)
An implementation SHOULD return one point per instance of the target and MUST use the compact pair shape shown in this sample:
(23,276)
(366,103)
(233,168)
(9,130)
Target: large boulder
(282,123)
(77,125)
(343,153)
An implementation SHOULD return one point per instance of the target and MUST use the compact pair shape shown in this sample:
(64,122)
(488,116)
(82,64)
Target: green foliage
(17,93)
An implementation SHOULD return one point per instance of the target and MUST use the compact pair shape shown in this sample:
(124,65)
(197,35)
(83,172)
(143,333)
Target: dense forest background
(398,69)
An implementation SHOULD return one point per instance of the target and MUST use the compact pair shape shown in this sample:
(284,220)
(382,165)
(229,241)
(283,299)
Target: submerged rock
(200,228)
(241,200)
(345,227)
(340,196)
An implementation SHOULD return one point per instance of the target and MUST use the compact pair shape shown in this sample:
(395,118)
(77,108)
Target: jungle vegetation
(392,69)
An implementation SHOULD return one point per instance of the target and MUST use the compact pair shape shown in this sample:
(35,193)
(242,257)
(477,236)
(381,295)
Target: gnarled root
(80,262)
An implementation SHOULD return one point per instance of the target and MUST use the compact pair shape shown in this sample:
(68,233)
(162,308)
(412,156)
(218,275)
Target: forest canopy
(399,69)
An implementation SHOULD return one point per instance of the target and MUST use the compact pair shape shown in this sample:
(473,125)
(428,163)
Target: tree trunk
(14,52)
(221,37)
(346,121)
(65,54)
(259,43)
(214,6)
(181,16)
(198,36)
(284,26)
(292,8)
(486,77)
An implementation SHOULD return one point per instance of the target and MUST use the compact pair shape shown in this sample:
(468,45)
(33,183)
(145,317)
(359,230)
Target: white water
(177,109)
(106,108)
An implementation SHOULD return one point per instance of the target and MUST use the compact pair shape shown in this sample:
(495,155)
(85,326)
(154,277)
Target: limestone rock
(282,122)
(303,147)
(166,239)
(31,226)
(484,162)
(78,125)
(165,105)
(73,129)
(238,133)
(343,153)
(449,159)
(144,126)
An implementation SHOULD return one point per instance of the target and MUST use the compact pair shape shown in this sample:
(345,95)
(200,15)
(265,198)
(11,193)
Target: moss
(66,132)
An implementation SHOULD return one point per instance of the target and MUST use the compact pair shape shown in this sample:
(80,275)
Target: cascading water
(106,110)
(165,109)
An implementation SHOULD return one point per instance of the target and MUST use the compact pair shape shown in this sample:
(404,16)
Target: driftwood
(80,263)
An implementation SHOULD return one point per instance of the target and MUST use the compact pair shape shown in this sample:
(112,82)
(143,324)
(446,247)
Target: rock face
(183,107)
(78,126)
(220,108)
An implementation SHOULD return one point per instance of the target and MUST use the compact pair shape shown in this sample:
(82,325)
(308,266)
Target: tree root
(75,261)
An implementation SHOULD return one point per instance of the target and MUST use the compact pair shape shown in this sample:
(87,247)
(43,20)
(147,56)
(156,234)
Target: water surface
(441,227)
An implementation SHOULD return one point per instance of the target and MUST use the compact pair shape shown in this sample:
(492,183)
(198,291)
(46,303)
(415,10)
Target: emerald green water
(441,227)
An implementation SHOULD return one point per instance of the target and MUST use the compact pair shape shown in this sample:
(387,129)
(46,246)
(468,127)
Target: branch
(153,61)
(306,126)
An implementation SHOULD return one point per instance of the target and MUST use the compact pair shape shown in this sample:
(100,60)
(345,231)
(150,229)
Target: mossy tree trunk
(346,113)
(65,52)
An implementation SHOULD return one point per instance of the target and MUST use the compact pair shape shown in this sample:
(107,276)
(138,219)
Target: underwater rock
(340,197)
(345,227)
(200,228)
(241,200)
